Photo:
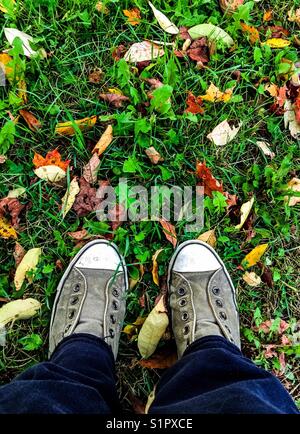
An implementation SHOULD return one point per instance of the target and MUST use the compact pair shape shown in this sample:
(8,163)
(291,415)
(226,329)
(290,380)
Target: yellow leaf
(100,7)
(28,263)
(69,197)
(164,21)
(18,309)
(17,192)
(272,89)
(3,8)
(52,174)
(155,267)
(268,15)
(208,237)
(293,185)
(153,329)
(105,140)
(294,16)
(115,91)
(277,43)
(5,59)
(6,230)
(245,211)
(251,278)
(254,256)
(213,94)
(67,128)
(134,16)
(142,51)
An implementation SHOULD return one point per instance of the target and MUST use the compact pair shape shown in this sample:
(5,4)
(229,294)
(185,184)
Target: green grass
(81,39)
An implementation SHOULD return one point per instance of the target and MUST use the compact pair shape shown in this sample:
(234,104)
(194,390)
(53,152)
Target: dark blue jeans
(212,377)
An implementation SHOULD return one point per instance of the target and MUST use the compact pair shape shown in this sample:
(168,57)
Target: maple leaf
(208,181)
(194,104)
(134,16)
(53,158)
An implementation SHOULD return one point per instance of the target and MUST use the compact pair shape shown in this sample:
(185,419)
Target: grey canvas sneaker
(201,296)
(91,296)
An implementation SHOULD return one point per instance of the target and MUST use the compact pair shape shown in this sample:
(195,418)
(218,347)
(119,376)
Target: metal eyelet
(215,290)
(115,293)
(111,333)
(115,305)
(76,287)
(71,314)
(227,328)
(186,330)
(223,315)
(182,302)
(181,291)
(74,300)
(67,328)
(185,316)
(219,303)
(113,319)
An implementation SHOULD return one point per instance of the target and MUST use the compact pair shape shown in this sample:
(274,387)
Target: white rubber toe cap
(99,256)
(195,258)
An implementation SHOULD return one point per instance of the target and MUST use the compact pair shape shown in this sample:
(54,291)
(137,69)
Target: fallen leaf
(104,141)
(290,120)
(155,267)
(169,231)
(137,404)
(86,200)
(285,340)
(90,170)
(251,279)
(265,147)
(294,16)
(115,90)
(52,174)
(232,199)
(68,129)
(254,256)
(114,99)
(267,275)
(100,7)
(96,76)
(268,16)
(12,33)
(277,43)
(18,309)
(150,400)
(267,325)
(118,52)
(208,181)
(53,158)
(142,51)
(213,33)
(3,158)
(208,237)
(6,229)
(282,362)
(16,192)
(28,263)
(276,31)
(133,15)
(32,122)
(153,155)
(251,31)
(153,329)
(245,211)
(272,89)
(213,94)
(194,104)
(5,61)
(269,352)
(198,50)
(69,197)
(79,235)
(223,133)
(163,21)
(13,207)
(163,359)
(19,253)
(116,216)
(293,185)
(230,6)
(3,5)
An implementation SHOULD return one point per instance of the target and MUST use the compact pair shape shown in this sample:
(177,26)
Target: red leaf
(194,104)
(184,33)
(12,207)
(53,158)
(137,404)
(269,352)
(208,181)
(169,231)
(199,51)
(119,52)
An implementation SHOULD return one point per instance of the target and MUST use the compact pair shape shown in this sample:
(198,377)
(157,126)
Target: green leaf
(123,73)
(219,201)
(131,165)
(31,342)
(165,173)
(161,99)
(142,126)
(171,76)
(7,136)
(257,55)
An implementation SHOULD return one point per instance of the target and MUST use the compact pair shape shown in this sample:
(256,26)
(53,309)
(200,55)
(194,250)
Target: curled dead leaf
(90,170)
(293,185)
(114,99)
(32,122)
(52,174)
(251,279)
(142,51)
(169,231)
(18,310)
(208,237)
(245,211)
(104,141)
(155,267)
(19,253)
(133,15)
(69,129)
(153,155)
(254,256)
(194,104)
(213,94)
(164,21)
(28,263)
(53,158)
(223,133)
(69,197)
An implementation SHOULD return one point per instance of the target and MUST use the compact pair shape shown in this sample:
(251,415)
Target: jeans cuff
(211,342)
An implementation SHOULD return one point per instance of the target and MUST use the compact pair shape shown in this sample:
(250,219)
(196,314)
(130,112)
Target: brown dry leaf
(208,181)
(194,104)
(153,329)
(169,231)
(32,122)
(90,170)
(104,141)
(290,120)
(86,200)
(245,211)
(164,21)
(251,279)
(268,16)
(113,99)
(138,406)
(13,207)
(208,237)
(155,267)
(277,43)
(230,6)
(69,197)
(199,51)
(163,359)
(96,76)
(68,129)
(79,235)
(293,185)
(118,52)
(251,31)
(53,158)
(133,15)
(6,230)
(100,7)
(222,134)
(254,256)
(265,147)
(213,94)
(294,15)
(153,155)
(142,51)
(19,253)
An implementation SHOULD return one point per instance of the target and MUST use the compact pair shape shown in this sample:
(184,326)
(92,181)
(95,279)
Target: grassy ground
(80,39)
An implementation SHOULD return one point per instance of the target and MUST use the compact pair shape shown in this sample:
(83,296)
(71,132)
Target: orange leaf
(104,141)
(268,15)
(67,128)
(252,32)
(208,181)
(32,122)
(53,158)
(194,104)
(169,231)
(134,16)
